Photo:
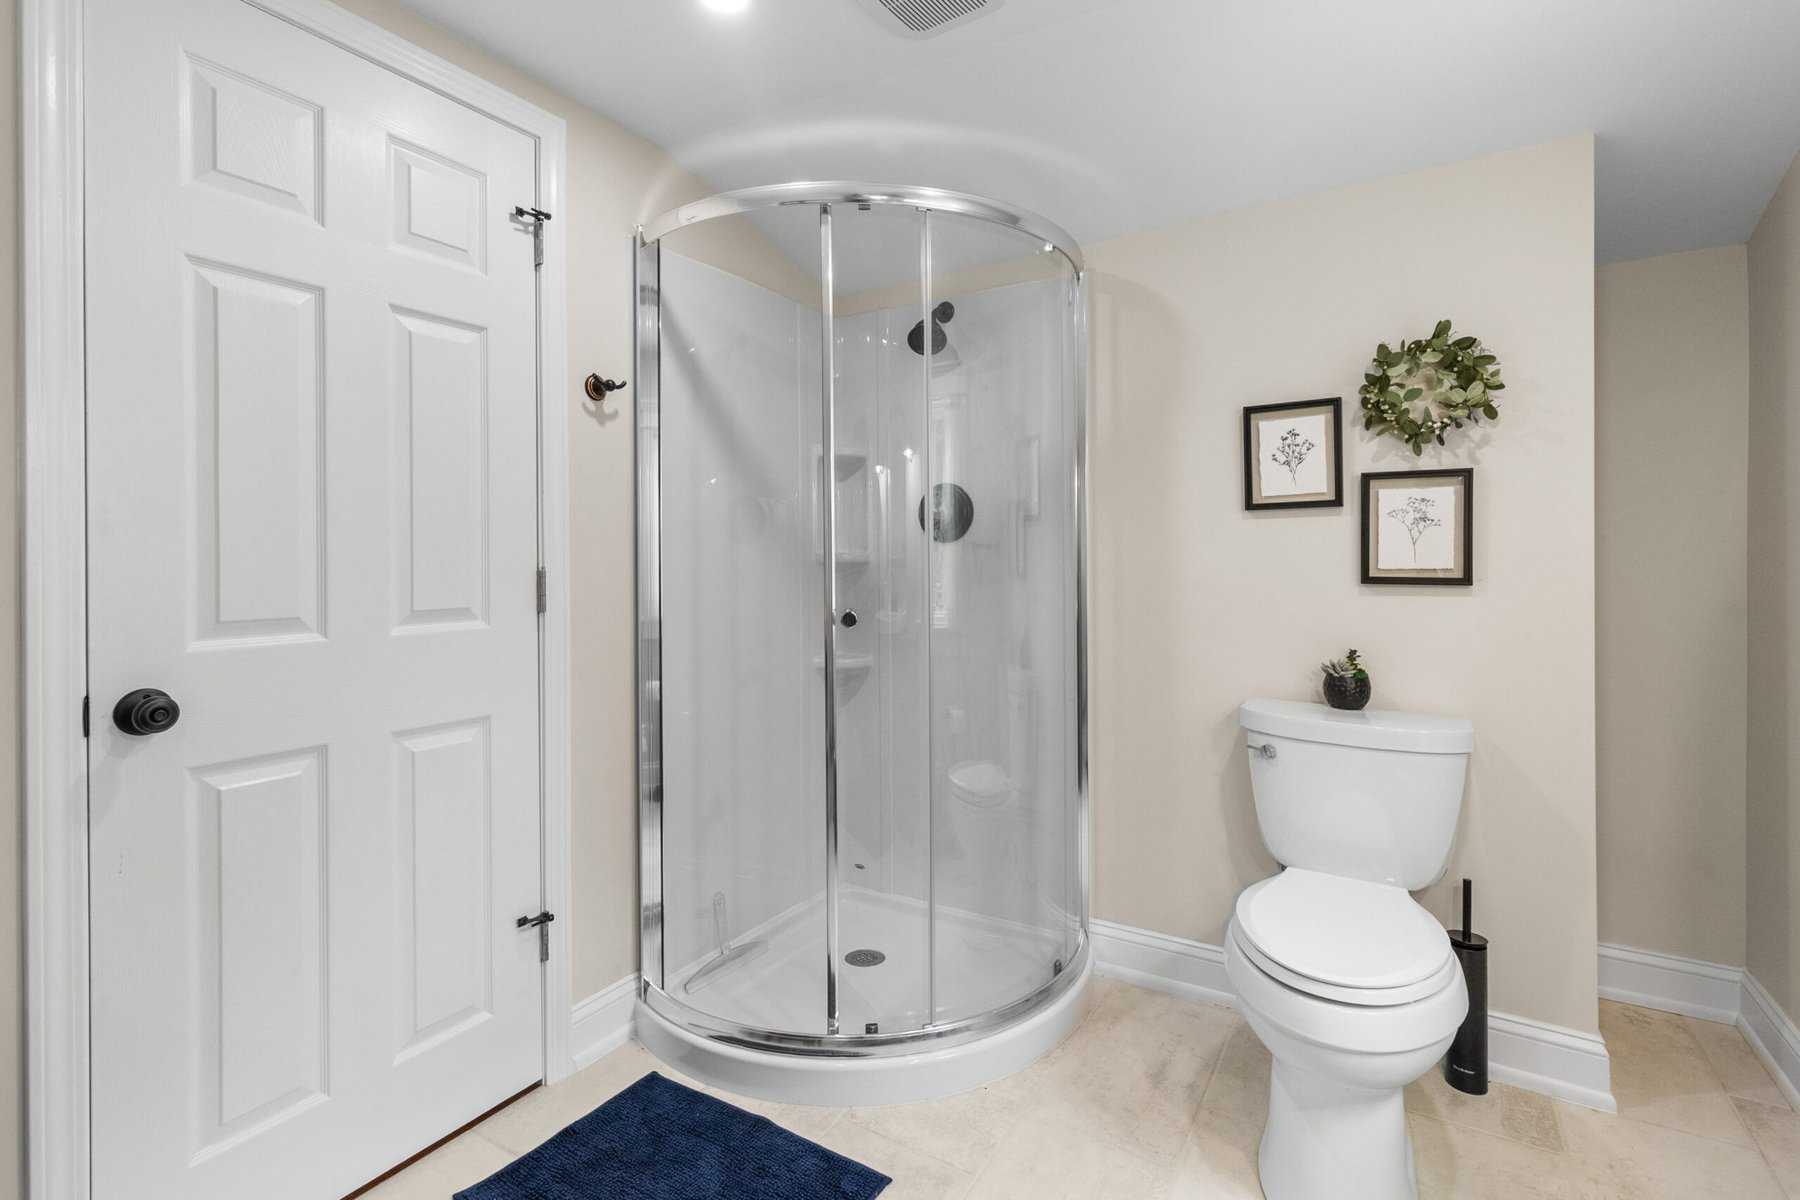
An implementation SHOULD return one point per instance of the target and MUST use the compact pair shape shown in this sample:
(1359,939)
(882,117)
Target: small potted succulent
(1346,681)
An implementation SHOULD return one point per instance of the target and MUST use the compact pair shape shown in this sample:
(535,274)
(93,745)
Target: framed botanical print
(1419,526)
(1294,455)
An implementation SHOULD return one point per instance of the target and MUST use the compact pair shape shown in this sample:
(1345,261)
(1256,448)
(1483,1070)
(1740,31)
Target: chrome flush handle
(1266,750)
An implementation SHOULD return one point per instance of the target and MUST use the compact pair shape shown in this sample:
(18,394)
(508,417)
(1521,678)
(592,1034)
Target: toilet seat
(1339,1027)
(1340,939)
(1430,986)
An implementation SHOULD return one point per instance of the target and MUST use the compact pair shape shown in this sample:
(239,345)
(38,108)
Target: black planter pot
(1351,692)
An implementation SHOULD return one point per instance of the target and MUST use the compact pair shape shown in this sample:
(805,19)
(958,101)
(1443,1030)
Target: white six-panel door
(312,521)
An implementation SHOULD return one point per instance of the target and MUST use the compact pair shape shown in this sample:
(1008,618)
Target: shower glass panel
(883,751)
(859,452)
(1001,608)
(742,607)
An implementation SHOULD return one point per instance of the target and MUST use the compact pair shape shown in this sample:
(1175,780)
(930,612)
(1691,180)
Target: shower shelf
(846,663)
(846,463)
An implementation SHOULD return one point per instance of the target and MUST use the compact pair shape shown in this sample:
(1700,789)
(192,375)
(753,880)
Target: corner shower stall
(860,639)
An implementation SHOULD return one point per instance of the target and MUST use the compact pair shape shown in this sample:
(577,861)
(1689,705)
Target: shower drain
(865,958)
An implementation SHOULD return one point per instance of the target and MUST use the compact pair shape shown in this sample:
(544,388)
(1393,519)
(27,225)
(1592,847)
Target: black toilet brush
(1466,1066)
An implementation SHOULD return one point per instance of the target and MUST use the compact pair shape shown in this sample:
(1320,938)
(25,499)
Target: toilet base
(1325,1139)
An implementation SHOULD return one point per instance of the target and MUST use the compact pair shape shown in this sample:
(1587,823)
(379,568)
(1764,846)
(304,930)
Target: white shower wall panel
(742,605)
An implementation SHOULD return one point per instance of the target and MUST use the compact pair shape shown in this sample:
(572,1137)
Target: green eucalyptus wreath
(1429,385)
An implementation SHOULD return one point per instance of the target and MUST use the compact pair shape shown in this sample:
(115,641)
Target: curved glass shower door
(1001,610)
(859,439)
(882,756)
(738,569)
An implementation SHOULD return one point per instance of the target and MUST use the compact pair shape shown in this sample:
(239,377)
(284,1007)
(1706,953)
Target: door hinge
(84,717)
(536,217)
(543,589)
(542,923)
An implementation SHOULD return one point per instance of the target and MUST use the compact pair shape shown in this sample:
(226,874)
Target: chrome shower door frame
(828,557)
(647,492)
(647,623)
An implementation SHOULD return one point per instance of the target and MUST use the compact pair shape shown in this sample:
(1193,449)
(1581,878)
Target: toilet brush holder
(1466,1065)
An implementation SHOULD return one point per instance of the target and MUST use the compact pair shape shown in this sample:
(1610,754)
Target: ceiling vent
(927,18)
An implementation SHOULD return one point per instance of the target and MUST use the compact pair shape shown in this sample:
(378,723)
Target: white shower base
(983,964)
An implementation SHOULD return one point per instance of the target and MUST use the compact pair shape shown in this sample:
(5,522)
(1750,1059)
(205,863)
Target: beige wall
(1198,605)
(1774,669)
(12,999)
(1672,342)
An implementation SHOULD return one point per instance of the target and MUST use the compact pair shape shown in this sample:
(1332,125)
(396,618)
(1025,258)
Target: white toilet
(1346,979)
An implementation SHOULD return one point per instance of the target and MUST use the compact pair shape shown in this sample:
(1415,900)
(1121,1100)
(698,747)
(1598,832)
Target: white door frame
(54,595)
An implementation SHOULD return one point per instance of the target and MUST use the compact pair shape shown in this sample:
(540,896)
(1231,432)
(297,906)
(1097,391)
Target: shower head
(940,317)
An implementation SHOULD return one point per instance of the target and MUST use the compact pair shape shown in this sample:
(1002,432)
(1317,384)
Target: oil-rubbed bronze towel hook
(598,388)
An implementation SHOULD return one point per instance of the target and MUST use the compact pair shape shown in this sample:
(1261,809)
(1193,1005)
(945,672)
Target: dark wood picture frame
(1464,531)
(1253,501)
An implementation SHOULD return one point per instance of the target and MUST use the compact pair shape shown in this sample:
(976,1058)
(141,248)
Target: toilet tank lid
(1375,729)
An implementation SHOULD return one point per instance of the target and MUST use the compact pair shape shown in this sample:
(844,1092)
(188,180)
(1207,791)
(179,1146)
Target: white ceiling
(1109,116)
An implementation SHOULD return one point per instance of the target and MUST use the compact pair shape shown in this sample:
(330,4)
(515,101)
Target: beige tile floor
(1155,1097)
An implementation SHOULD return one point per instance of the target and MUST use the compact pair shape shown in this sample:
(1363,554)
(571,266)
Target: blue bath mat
(658,1140)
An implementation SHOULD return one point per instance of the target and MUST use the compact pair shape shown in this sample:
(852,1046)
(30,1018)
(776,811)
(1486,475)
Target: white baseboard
(1539,1057)
(603,1022)
(1771,1032)
(1711,992)
(1564,1063)
(1690,986)
(1191,970)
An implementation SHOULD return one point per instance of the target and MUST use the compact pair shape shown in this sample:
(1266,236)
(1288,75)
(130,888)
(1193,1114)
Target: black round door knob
(146,711)
(848,620)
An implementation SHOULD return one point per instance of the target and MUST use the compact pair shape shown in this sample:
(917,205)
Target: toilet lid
(1346,933)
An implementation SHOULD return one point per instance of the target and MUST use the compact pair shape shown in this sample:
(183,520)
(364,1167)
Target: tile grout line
(1758,1143)
(1705,1137)
(1193,1117)
(1676,1128)
(1095,1003)
(1489,1134)
(1562,1141)
(1562,1135)
(1212,1073)
(1730,1100)
(1568,1153)
(908,1147)
(1157,1166)
(1712,1069)
(512,1157)
(1786,1105)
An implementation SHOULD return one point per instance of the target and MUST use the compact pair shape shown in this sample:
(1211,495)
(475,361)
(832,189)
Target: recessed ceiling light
(726,7)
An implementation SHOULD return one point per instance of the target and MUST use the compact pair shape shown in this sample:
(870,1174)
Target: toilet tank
(1370,795)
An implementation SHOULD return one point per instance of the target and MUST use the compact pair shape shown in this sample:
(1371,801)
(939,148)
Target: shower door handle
(848,620)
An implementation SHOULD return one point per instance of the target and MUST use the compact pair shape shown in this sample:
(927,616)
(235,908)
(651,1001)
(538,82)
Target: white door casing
(313,472)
